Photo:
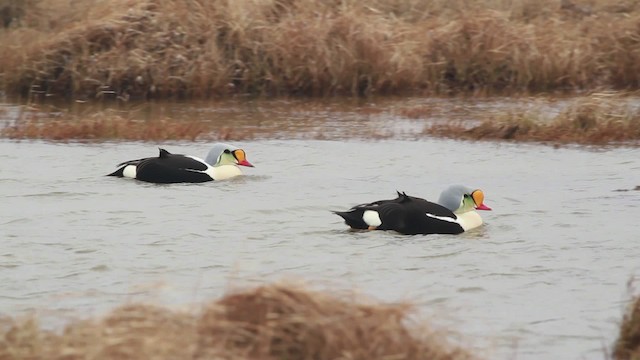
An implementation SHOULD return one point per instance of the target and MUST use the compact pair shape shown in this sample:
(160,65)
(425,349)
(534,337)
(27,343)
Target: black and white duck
(222,162)
(454,213)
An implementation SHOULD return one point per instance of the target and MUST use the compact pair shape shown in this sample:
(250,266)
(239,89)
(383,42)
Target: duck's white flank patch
(443,218)
(467,220)
(371,218)
(129,171)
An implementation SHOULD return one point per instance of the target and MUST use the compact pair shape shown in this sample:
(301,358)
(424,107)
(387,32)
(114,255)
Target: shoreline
(602,119)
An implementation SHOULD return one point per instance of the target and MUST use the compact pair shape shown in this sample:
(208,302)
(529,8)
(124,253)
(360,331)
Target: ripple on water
(83,251)
(17,221)
(471,289)
(100,268)
(56,194)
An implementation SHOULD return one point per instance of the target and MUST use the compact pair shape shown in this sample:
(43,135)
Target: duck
(454,213)
(222,162)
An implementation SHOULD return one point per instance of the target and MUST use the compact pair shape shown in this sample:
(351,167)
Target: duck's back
(171,168)
(414,215)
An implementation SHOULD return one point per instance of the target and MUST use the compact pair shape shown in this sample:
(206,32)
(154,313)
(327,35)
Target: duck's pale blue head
(460,199)
(227,154)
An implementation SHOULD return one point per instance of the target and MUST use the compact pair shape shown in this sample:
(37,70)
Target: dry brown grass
(198,49)
(627,346)
(105,127)
(599,119)
(113,125)
(279,321)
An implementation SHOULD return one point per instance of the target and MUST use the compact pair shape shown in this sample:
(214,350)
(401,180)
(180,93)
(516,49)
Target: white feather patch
(129,171)
(371,218)
(443,218)
(467,220)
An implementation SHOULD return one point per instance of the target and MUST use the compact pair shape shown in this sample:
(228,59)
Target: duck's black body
(167,168)
(407,215)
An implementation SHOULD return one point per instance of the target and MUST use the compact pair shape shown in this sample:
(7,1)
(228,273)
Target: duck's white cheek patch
(129,171)
(371,218)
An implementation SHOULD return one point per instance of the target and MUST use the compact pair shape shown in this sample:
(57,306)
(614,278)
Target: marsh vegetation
(275,321)
(122,49)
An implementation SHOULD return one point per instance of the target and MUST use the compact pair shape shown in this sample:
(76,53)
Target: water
(544,278)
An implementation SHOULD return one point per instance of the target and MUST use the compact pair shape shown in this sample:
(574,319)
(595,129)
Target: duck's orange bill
(242,158)
(478,198)
(482,207)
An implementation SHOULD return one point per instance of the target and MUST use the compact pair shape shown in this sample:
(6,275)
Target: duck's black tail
(119,172)
(353,218)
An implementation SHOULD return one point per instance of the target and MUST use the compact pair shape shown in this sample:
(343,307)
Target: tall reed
(199,49)
(627,344)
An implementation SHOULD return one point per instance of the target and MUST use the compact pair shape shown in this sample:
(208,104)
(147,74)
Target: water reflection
(339,118)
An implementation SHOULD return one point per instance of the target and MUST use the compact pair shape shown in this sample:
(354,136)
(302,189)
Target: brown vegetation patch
(600,119)
(280,321)
(109,125)
(101,127)
(627,346)
(198,49)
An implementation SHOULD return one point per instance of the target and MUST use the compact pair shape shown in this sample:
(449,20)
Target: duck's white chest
(224,172)
(469,220)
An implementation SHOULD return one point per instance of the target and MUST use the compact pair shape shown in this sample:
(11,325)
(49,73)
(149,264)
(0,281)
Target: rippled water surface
(544,278)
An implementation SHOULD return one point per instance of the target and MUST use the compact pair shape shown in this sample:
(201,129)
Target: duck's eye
(227,151)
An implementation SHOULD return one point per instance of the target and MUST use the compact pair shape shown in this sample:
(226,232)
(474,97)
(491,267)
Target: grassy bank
(107,125)
(123,49)
(602,119)
(281,321)
(599,119)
